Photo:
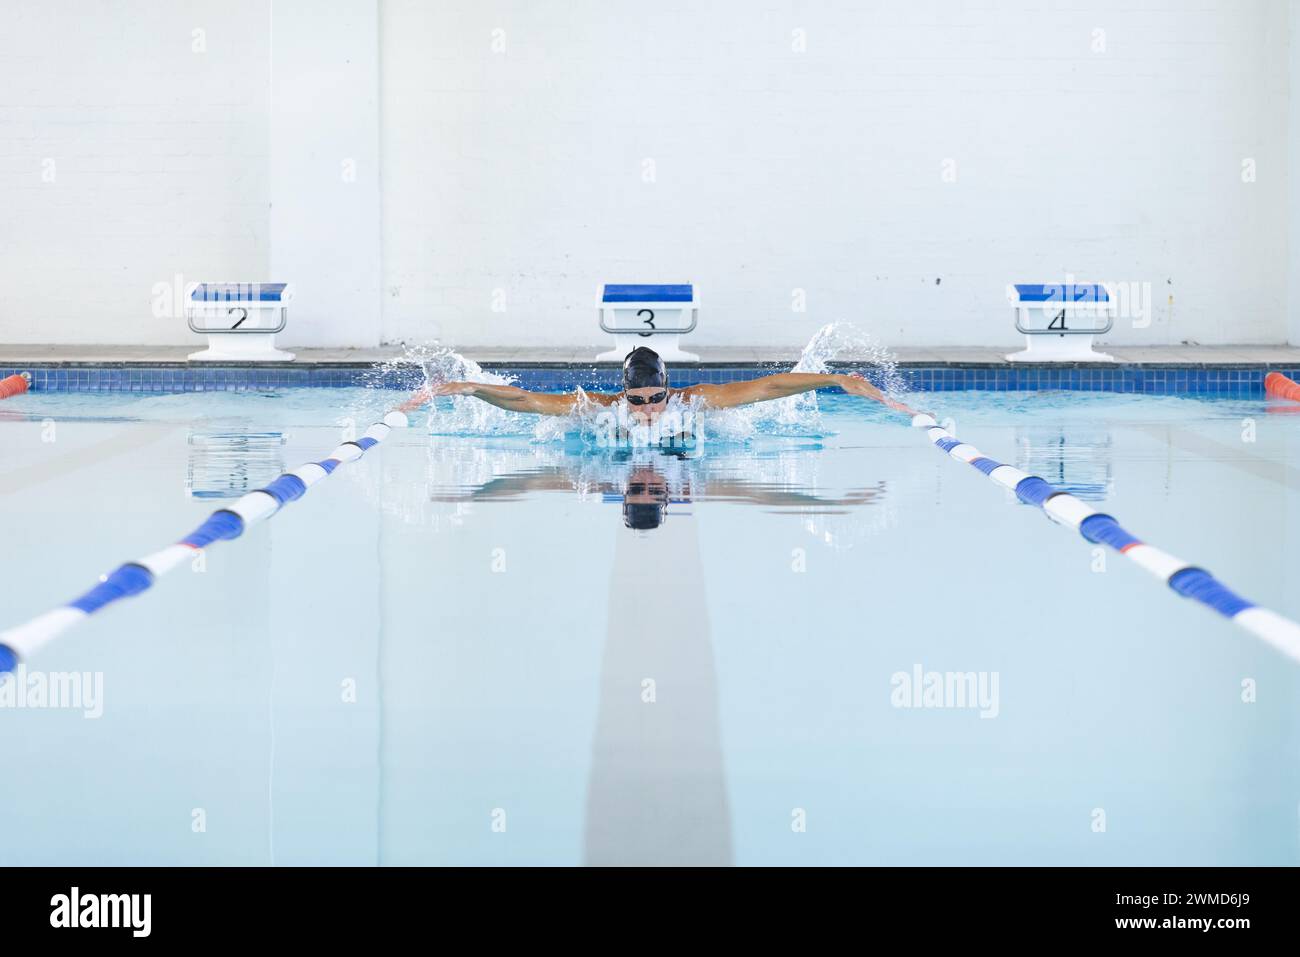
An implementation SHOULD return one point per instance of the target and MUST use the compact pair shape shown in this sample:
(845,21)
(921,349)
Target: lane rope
(1280,387)
(1186,579)
(15,384)
(132,578)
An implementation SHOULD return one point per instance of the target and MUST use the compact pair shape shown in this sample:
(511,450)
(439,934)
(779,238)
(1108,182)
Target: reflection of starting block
(634,315)
(231,464)
(240,319)
(1049,316)
(1074,458)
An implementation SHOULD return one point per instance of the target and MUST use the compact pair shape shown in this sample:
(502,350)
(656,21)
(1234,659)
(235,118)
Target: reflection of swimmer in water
(645,500)
(646,391)
(649,489)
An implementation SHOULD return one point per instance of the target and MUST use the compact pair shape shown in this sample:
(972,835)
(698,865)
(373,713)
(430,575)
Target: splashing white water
(424,365)
(841,344)
(845,344)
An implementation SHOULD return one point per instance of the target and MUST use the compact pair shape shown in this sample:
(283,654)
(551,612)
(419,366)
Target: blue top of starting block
(649,293)
(238,292)
(1061,292)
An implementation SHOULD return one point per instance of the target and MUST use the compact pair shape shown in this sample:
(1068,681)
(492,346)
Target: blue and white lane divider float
(1062,507)
(21,642)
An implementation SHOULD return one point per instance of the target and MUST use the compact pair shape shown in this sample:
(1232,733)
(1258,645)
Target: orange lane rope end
(1280,387)
(17,384)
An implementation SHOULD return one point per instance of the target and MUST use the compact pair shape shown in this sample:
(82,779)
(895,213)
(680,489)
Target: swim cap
(643,367)
(645,500)
(643,516)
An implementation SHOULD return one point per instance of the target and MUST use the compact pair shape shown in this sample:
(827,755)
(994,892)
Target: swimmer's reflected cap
(643,516)
(642,367)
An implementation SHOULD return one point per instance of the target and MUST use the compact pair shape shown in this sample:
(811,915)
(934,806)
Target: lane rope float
(1186,579)
(15,384)
(1280,387)
(132,578)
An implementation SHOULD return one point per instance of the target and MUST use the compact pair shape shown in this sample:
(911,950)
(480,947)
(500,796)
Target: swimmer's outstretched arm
(507,397)
(731,394)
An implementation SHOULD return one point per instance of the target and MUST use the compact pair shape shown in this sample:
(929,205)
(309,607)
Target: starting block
(240,319)
(1049,315)
(634,313)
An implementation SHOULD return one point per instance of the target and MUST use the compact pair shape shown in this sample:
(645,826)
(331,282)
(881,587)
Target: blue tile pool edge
(1245,380)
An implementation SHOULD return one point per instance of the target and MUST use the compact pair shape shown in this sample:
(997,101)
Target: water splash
(845,344)
(839,346)
(422,365)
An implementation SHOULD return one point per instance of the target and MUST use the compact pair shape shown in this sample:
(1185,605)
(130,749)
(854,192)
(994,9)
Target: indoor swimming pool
(487,642)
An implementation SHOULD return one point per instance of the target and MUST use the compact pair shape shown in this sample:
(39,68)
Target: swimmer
(646,391)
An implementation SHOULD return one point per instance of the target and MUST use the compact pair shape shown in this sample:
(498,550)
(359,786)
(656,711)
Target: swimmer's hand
(426,393)
(855,384)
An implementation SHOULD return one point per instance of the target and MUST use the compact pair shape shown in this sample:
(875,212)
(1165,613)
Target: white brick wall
(325,229)
(778,170)
(1293,181)
(159,161)
(775,170)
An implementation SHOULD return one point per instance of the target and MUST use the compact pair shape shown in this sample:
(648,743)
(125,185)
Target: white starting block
(1045,313)
(634,313)
(240,319)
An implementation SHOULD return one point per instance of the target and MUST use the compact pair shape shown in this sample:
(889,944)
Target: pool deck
(1264,357)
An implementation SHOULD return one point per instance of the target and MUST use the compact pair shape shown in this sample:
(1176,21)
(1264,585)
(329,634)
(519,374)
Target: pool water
(482,644)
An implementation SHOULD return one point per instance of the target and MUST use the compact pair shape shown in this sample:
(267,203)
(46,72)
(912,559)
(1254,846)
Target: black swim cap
(643,516)
(643,367)
(645,501)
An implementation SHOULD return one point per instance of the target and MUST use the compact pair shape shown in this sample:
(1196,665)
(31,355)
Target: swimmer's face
(645,486)
(640,404)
